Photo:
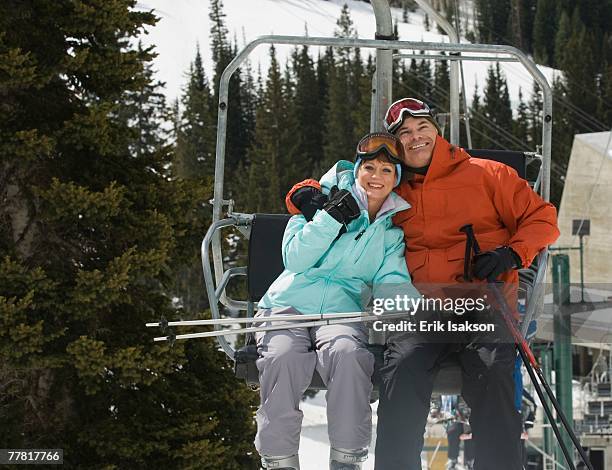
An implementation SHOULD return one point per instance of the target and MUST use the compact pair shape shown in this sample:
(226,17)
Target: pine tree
(308,111)
(344,29)
(442,85)
(562,37)
(410,84)
(544,32)
(293,168)
(476,117)
(145,110)
(93,229)
(194,163)
(502,12)
(325,64)
(527,10)
(339,132)
(580,68)
(360,84)
(238,132)
(220,46)
(484,21)
(425,79)
(605,110)
(520,129)
(250,93)
(596,15)
(497,109)
(196,133)
(272,146)
(535,107)
(493,20)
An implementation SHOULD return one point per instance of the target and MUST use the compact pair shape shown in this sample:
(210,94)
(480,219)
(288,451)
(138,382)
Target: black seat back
(516,160)
(265,253)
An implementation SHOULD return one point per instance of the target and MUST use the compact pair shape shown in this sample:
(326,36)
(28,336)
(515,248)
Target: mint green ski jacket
(325,275)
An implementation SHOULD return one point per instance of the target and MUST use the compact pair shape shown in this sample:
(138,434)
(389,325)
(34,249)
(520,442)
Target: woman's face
(377,177)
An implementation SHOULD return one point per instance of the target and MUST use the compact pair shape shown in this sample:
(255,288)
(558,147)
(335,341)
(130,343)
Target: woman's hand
(342,206)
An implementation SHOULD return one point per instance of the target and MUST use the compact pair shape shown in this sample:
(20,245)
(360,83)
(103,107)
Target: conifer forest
(105,190)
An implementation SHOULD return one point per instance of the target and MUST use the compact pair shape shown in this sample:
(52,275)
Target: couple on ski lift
(392,218)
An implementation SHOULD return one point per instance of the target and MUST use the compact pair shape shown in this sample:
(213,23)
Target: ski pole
(532,367)
(329,320)
(163,323)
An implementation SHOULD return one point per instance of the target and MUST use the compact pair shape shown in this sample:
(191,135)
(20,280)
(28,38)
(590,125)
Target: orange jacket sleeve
(532,222)
(293,210)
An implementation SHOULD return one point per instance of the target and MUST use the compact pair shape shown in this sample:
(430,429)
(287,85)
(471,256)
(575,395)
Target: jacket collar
(445,158)
(393,204)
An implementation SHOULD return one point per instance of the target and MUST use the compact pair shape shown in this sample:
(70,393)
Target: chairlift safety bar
(461,58)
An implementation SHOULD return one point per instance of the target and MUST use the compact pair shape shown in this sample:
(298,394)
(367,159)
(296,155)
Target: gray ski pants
(287,362)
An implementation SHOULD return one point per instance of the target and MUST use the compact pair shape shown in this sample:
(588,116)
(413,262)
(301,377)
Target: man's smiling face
(418,136)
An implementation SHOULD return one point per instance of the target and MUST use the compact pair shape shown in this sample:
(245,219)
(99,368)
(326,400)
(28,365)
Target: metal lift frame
(215,288)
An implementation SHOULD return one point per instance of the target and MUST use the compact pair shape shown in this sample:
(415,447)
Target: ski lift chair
(265,231)
(264,265)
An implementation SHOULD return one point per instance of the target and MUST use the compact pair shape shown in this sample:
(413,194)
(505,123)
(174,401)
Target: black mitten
(490,264)
(342,206)
(308,200)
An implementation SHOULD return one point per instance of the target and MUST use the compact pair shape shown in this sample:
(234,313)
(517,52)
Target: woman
(348,247)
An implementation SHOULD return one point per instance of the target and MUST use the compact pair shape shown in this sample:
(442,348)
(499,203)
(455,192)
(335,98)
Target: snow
(184,24)
(314,443)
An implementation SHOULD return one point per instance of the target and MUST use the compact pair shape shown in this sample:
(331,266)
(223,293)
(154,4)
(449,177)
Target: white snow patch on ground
(314,443)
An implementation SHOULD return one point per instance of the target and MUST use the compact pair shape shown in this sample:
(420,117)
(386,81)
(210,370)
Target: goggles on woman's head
(416,108)
(373,144)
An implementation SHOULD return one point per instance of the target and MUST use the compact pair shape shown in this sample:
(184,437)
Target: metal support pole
(563,342)
(581,270)
(373,104)
(384,64)
(549,443)
(563,372)
(466,115)
(454,69)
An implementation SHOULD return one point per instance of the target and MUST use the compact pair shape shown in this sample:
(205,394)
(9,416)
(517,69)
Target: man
(457,427)
(447,189)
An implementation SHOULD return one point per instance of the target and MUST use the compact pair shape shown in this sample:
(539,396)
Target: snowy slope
(314,443)
(185,23)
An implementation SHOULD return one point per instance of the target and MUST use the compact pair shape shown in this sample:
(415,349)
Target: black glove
(490,264)
(342,206)
(308,200)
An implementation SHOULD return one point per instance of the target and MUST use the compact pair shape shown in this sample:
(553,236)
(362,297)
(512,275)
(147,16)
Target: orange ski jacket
(458,190)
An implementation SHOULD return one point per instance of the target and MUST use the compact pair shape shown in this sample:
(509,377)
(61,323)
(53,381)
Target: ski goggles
(416,108)
(373,144)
